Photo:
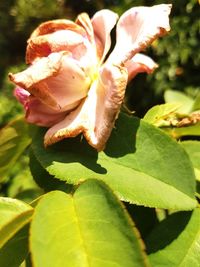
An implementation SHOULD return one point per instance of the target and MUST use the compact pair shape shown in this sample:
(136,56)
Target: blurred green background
(177,54)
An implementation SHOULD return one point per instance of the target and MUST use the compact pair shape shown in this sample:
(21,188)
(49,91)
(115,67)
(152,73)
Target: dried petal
(48,28)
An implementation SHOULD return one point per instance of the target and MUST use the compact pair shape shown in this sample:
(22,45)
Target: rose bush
(70,86)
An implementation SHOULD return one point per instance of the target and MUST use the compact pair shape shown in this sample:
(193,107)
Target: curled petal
(103,22)
(48,28)
(57,81)
(31,78)
(140,63)
(96,115)
(137,28)
(84,21)
(43,45)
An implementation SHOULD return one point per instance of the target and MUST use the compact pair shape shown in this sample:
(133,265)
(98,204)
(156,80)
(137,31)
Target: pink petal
(95,117)
(57,80)
(37,112)
(21,95)
(103,22)
(40,114)
(140,63)
(137,28)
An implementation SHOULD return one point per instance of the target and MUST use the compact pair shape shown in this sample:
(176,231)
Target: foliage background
(177,54)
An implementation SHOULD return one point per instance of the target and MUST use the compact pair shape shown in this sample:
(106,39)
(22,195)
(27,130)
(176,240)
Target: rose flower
(70,87)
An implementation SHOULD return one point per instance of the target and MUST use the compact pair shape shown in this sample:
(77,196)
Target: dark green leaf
(145,218)
(176,241)
(14,215)
(14,138)
(15,250)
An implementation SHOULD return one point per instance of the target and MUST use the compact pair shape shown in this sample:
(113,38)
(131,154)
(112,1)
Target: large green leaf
(90,228)
(14,215)
(15,250)
(176,241)
(193,150)
(139,163)
(14,138)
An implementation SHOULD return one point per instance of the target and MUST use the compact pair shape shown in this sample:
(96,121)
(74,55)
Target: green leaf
(14,215)
(139,163)
(44,179)
(172,96)
(157,114)
(196,105)
(90,228)
(177,132)
(193,150)
(145,218)
(14,138)
(15,250)
(176,241)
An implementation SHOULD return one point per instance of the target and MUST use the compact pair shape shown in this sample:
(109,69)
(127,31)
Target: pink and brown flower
(70,87)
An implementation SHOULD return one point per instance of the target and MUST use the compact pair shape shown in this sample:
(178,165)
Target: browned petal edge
(84,21)
(141,46)
(55,25)
(47,28)
(62,135)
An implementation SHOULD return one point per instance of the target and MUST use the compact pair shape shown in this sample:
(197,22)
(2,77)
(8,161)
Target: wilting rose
(70,87)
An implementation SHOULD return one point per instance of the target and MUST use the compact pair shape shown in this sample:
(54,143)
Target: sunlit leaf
(139,163)
(90,228)
(196,105)
(186,103)
(157,114)
(14,215)
(177,132)
(193,150)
